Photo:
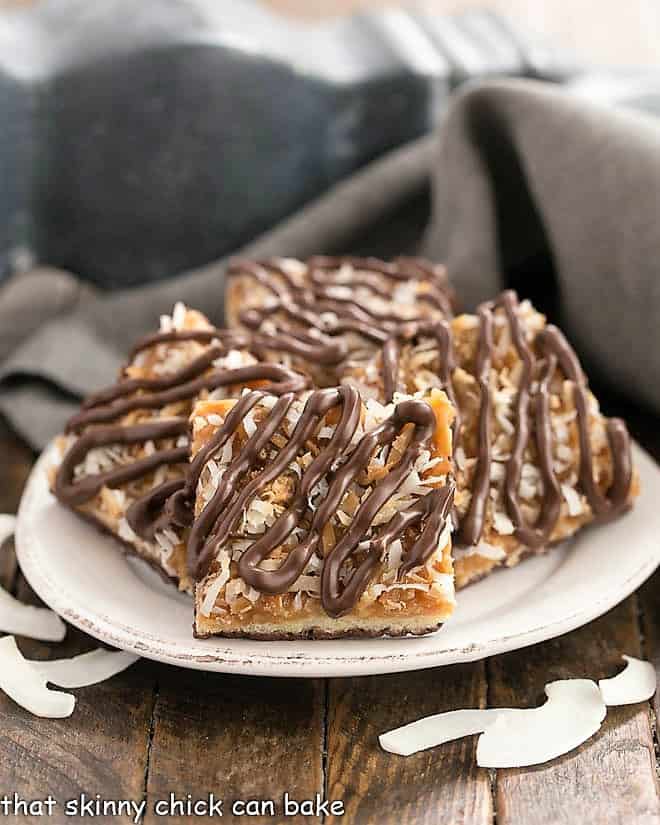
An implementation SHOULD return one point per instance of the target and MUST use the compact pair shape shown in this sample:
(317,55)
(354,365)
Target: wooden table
(154,729)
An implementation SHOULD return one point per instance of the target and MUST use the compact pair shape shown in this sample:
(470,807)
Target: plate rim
(269,663)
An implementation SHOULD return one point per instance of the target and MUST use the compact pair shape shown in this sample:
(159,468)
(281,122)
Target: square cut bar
(318,516)
(125,454)
(535,459)
(343,306)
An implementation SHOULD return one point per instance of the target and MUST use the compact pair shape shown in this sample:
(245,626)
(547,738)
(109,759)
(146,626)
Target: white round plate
(82,575)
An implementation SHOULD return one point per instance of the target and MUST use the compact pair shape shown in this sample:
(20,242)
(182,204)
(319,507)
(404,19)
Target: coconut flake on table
(24,619)
(512,737)
(573,713)
(436,730)
(87,669)
(636,683)
(27,687)
(25,681)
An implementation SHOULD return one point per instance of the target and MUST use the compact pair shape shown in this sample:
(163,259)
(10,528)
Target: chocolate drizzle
(472,526)
(75,493)
(317,348)
(219,518)
(308,304)
(151,512)
(532,406)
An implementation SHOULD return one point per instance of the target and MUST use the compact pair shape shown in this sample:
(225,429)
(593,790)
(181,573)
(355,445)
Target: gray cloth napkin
(531,187)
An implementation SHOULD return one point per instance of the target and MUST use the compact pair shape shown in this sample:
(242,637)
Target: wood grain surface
(611,773)
(436,786)
(244,739)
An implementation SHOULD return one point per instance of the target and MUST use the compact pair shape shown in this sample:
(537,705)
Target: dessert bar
(125,454)
(534,458)
(350,305)
(317,515)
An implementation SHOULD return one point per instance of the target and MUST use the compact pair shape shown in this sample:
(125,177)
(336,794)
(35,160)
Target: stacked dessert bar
(301,471)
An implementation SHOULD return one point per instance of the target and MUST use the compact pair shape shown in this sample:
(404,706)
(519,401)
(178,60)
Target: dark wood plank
(441,786)
(238,737)
(649,600)
(611,778)
(101,749)
(17,460)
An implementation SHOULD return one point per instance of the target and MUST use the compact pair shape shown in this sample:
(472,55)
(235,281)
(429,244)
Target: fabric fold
(63,349)
(532,187)
(531,182)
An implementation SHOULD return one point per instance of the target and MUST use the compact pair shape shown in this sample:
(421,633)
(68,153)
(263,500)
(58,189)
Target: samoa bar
(353,305)
(535,459)
(124,456)
(319,516)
